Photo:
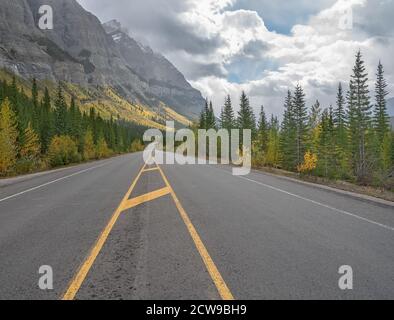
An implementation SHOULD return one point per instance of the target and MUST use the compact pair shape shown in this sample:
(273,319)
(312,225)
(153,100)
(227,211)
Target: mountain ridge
(79,50)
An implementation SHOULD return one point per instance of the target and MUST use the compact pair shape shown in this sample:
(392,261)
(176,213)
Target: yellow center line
(145,198)
(213,271)
(83,271)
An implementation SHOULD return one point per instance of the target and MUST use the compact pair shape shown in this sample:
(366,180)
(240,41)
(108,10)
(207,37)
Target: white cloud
(209,39)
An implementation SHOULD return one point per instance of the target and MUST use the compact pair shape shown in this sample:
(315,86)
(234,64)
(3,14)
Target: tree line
(351,140)
(48,132)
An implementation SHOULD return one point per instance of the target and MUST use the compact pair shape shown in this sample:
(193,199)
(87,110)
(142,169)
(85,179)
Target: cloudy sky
(263,47)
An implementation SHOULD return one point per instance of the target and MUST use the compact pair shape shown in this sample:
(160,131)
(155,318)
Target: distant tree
(61,123)
(359,119)
(89,148)
(288,134)
(273,144)
(381,121)
(262,130)
(8,137)
(246,117)
(301,122)
(31,147)
(228,118)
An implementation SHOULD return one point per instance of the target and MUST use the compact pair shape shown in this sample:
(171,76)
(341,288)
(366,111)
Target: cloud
(226,46)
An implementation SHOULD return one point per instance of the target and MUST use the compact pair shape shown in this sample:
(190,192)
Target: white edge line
(316,202)
(52,182)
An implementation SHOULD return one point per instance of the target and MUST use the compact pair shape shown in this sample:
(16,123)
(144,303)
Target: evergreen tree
(381,117)
(47,122)
(61,123)
(288,135)
(227,118)
(301,123)
(246,117)
(341,135)
(210,120)
(263,130)
(359,118)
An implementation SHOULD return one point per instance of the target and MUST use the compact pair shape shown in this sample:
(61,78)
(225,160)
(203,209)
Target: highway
(118,229)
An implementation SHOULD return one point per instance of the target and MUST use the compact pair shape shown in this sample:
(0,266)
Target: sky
(262,47)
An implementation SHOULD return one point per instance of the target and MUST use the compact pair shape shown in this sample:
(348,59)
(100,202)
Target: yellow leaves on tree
(8,137)
(62,151)
(31,144)
(137,146)
(89,149)
(310,163)
(102,150)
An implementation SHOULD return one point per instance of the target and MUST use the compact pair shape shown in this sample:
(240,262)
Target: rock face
(81,50)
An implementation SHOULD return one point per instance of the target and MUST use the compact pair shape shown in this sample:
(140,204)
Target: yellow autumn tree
(102,150)
(31,144)
(136,146)
(8,137)
(89,149)
(62,151)
(310,163)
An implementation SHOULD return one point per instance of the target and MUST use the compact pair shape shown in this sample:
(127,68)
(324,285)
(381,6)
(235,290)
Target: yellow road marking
(145,198)
(83,271)
(221,286)
(151,169)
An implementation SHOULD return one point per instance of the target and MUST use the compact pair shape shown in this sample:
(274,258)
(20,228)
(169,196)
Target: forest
(38,131)
(350,141)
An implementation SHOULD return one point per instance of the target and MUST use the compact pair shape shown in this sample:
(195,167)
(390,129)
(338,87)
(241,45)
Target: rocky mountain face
(81,50)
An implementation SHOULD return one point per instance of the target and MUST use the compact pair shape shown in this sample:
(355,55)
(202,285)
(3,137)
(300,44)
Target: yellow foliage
(310,163)
(89,149)
(31,144)
(137,146)
(8,137)
(102,150)
(62,150)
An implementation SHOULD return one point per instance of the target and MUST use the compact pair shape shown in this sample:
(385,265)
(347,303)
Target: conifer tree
(301,123)
(288,135)
(61,123)
(227,117)
(381,117)
(359,119)
(246,117)
(263,130)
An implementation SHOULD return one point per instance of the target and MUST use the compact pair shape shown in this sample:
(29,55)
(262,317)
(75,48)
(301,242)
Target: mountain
(82,51)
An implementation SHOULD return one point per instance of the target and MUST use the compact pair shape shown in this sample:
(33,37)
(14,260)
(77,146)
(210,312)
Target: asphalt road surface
(116,229)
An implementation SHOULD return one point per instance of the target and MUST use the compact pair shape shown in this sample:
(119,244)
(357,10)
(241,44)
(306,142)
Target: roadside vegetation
(351,141)
(38,131)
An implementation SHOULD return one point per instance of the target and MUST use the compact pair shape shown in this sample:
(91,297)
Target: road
(109,230)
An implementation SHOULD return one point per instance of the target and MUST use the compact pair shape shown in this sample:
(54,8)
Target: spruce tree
(301,123)
(288,135)
(246,118)
(360,122)
(381,117)
(61,123)
(228,118)
(263,130)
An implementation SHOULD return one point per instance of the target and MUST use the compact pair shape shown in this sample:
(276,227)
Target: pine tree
(288,135)
(301,123)
(341,135)
(381,117)
(210,120)
(263,130)
(359,118)
(8,137)
(246,118)
(47,122)
(273,144)
(61,123)
(31,147)
(227,118)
